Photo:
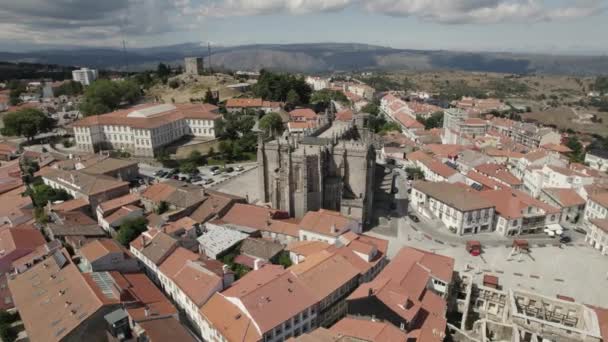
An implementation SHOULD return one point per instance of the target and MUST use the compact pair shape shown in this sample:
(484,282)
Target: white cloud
(223,8)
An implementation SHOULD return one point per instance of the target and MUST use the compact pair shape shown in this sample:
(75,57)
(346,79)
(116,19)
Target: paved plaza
(575,270)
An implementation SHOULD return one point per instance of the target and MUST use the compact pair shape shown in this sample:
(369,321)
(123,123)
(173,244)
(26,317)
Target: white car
(239,168)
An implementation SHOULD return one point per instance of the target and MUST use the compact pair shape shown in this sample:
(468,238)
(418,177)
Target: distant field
(565,117)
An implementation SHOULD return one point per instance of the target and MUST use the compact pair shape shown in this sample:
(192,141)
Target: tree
(284,259)
(322,99)
(130,230)
(414,173)
(162,208)
(188,168)
(271,123)
(7,333)
(163,71)
(225,149)
(275,87)
(27,122)
(434,121)
(28,168)
(371,108)
(578,154)
(163,157)
(16,89)
(209,98)
(104,96)
(69,88)
(293,98)
(174,84)
(196,158)
(42,194)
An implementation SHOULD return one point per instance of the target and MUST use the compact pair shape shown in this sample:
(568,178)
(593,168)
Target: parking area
(208,175)
(244,185)
(573,270)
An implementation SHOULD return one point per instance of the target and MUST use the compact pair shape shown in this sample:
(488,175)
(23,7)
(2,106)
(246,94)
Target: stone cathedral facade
(299,174)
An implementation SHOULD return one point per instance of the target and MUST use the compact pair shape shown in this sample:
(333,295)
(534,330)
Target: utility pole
(124,51)
(209,56)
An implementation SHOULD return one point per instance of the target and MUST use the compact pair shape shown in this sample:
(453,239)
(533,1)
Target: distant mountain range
(317,58)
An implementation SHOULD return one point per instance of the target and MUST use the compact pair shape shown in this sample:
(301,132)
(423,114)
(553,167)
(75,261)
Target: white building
(597,206)
(597,159)
(551,176)
(85,76)
(143,130)
(598,235)
(327,226)
(461,209)
(317,83)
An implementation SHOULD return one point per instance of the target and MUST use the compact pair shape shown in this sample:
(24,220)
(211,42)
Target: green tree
(434,121)
(284,259)
(293,98)
(414,173)
(174,84)
(162,208)
(578,154)
(7,333)
(27,123)
(42,194)
(104,96)
(225,148)
(322,99)
(196,158)
(163,157)
(188,168)
(130,230)
(371,108)
(276,86)
(163,71)
(16,89)
(271,123)
(209,98)
(69,88)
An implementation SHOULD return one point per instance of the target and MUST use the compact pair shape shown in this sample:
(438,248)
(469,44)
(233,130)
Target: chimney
(370,292)
(72,178)
(257,264)
(402,327)
(333,229)
(225,269)
(147,311)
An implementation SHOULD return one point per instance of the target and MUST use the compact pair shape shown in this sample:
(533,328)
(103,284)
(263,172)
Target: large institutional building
(309,173)
(142,130)
(85,76)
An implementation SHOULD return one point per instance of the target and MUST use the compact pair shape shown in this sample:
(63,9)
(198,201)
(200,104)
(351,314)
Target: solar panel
(105,283)
(477,187)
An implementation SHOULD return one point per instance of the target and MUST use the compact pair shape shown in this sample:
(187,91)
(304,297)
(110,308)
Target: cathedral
(298,173)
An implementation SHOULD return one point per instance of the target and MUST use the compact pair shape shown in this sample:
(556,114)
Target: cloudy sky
(555,26)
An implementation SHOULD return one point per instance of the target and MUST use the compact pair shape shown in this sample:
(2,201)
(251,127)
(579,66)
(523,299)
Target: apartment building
(597,236)
(517,213)
(95,189)
(190,283)
(270,304)
(597,159)
(410,293)
(317,83)
(457,124)
(257,104)
(102,255)
(85,76)
(533,136)
(552,176)
(459,207)
(145,129)
(535,159)
(597,206)
(326,225)
(571,204)
(273,224)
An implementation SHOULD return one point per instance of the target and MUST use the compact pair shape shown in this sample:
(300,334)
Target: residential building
(57,303)
(460,208)
(72,225)
(317,83)
(257,104)
(330,277)
(16,209)
(480,106)
(215,204)
(571,204)
(217,240)
(517,213)
(436,171)
(453,118)
(362,90)
(597,206)
(535,159)
(15,243)
(364,330)
(85,76)
(597,236)
(551,176)
(597,159)
(106,209)
(326,225)
(193,65)
(188,281)
(410,293)
(9,150)
(95,189)
(533,136)
(145,129)
(261,249)
(180,198)
(152,247)
(102,255)
(273,224)
(125,170)
(501,174)
(270,304)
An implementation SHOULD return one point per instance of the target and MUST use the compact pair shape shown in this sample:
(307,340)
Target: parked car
(208,181)
(176,177)
(239,168)
(213,168)
(414,218)
(158,173)
(196,179)
(565,239)
(229,169)
(216,172)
